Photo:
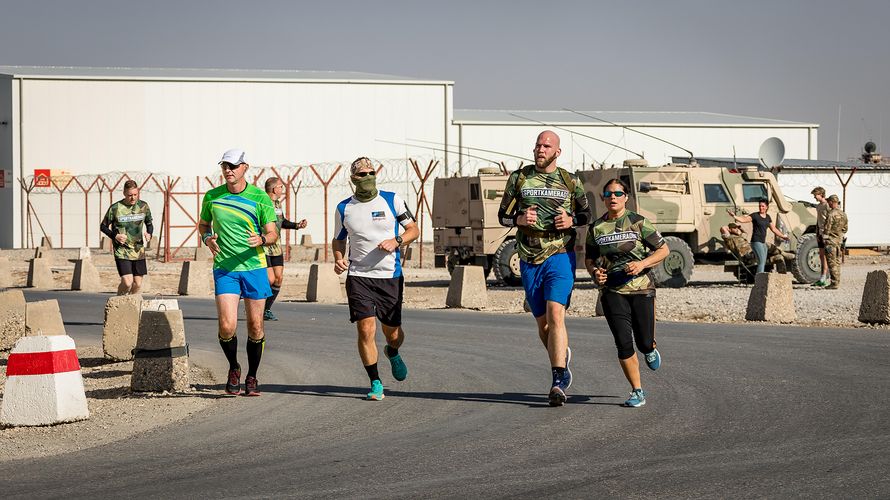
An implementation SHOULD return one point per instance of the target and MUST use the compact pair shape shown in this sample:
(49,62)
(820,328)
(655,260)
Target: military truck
(688,204)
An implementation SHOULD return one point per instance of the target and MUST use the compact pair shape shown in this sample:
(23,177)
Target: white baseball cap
(233,156)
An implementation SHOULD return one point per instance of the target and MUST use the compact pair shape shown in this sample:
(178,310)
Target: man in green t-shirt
(123,224)
(237,223)
(546,202)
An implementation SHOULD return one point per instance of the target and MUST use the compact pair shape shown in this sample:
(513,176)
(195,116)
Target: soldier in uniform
(835,229)
(821,211)
(123,224)
(739,247)
(274,253)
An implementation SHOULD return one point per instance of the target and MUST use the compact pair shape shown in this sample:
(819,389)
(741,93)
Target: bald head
(546,150)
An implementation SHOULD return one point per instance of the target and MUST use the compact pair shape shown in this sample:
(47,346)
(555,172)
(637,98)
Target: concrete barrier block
(40,274)
(160,304)
(160,361)
(306,240)
(409,253)
(86,276)
(44,385)
(5,272)
(121,326)
(46,242)
(203,253)
(324,285)
(467,288)
(875,305)
(44,318)
(196,278)
(105,244)
(12,318)
(771,299)
(84,253)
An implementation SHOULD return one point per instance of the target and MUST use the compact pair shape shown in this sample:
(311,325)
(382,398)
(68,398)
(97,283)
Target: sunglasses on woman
(618,194)
(364,174)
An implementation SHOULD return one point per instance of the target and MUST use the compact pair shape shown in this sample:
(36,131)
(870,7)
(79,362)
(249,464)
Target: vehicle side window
(474,191)
(753,193)
(714,193)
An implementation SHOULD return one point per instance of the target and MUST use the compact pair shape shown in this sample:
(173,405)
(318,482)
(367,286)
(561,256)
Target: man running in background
(237,223)
(370,221)
(123,224)
(274,252)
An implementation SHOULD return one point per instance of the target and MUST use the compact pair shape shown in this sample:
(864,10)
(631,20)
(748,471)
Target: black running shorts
(134,267)
(275,260)
(631,318)
(381,297)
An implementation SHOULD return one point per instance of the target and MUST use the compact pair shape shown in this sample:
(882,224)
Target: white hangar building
(105,124)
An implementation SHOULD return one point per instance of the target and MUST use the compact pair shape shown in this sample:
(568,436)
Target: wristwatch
(399,240)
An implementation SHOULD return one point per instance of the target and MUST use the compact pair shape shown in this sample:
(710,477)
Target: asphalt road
(735,411)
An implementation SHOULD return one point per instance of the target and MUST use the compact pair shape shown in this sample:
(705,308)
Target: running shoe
(268,315)
(250,386)
(557,396)
(653,359)
(399,369)
(233,384)
(376,393)
(568,375)
(637,398)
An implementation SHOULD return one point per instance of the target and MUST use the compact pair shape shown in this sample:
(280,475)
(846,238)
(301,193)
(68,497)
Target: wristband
(263,237)
(204,239)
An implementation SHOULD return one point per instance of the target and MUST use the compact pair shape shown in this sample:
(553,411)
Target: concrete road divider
(324,285)
(121,328)
(43,383)
(12,318)
(771,299)
(44,318)
(306,240)
(86,276)
(84,253)
(467,288)
(875,305)
(196,278)
(40,275)
(160,304)
(5,272)
(160,359)
(46,242)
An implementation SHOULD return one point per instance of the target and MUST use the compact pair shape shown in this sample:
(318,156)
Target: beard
(544,162)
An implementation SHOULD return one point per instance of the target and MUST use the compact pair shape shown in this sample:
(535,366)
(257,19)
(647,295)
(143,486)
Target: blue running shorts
(552,279)
(248,284)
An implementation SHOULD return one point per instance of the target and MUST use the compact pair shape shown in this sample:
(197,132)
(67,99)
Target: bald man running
(546,203)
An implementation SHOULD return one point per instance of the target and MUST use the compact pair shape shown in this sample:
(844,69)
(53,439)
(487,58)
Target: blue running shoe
(268,315)
(399,369)
(653,359)
(567,379)
(376,393)
(637,398)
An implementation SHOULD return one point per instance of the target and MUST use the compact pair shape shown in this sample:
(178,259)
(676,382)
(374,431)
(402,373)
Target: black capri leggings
(630,317)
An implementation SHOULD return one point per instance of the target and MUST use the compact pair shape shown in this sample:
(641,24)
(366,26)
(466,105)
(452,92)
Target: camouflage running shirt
(611,244)
(549,192)
(129,221)
(232,215)
(275,248)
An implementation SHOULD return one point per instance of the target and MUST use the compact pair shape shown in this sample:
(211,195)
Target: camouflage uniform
(549,192)
(128,220)
(275,248)
(737,245)
(613,243)
(835,228)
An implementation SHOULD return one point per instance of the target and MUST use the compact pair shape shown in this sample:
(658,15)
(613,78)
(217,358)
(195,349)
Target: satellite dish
(772,152)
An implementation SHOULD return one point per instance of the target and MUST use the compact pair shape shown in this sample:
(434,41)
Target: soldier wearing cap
(833,234)
(738,246)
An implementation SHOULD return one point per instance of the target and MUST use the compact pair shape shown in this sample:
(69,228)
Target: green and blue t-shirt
(232,215)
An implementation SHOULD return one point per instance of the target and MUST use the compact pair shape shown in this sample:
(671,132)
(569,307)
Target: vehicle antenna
(478,149)
(691,156)
(438,149)
(578,133)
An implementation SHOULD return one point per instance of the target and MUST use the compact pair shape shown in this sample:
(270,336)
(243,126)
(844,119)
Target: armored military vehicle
(688,204)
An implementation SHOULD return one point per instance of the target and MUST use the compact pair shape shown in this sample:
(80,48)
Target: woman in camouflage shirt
(622,246)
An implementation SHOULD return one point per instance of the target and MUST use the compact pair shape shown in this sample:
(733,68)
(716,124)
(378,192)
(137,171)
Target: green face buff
(365,187)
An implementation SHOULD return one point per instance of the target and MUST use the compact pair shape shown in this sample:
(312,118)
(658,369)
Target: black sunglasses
(228,166)
(365,173)
(618,194)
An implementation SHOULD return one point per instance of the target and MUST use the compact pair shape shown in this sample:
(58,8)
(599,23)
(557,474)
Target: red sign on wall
(42,177)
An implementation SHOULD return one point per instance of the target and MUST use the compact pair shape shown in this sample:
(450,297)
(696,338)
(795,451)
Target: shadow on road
(518,398)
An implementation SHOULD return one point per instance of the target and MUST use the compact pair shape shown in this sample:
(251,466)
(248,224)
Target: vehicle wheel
(676,269)
(806,266)
(506,264)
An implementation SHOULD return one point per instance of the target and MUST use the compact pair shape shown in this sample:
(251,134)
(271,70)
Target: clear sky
(788,59)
